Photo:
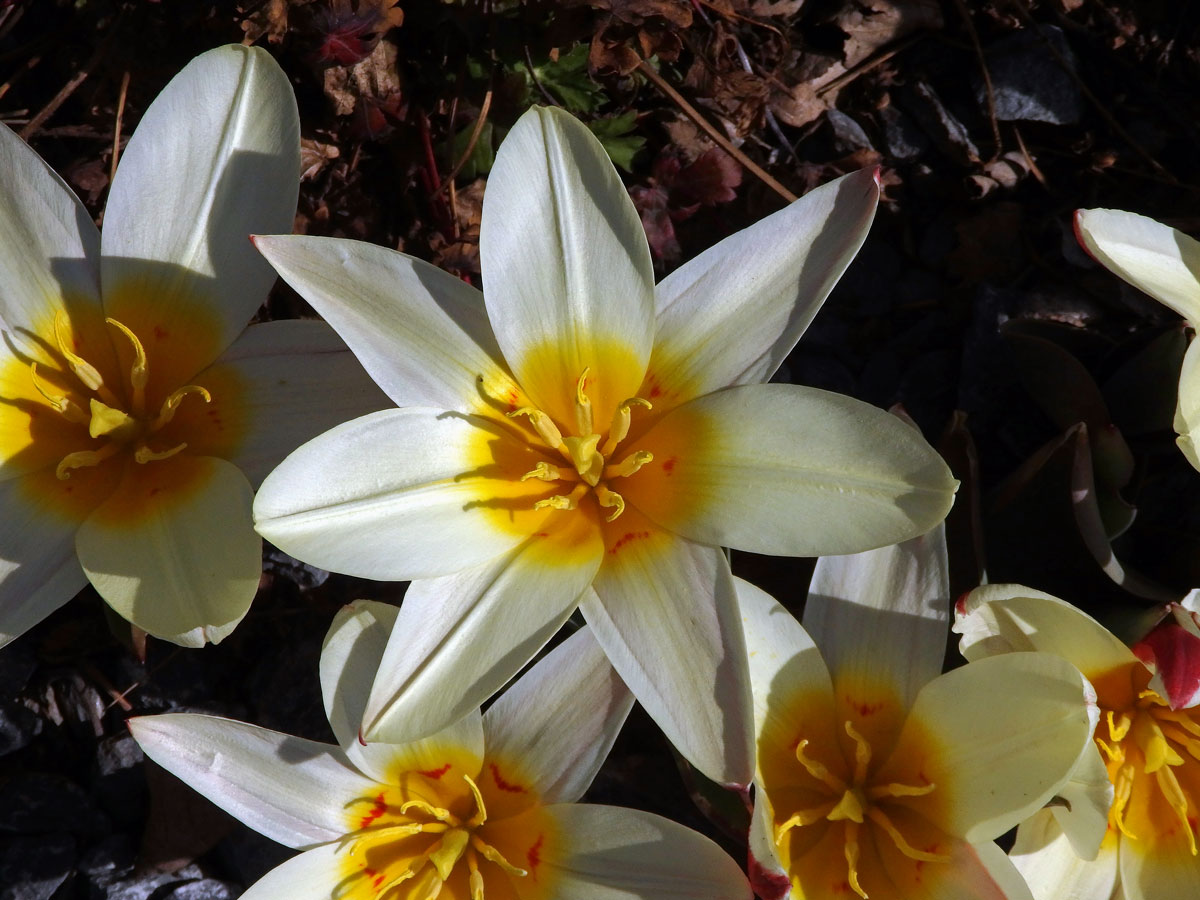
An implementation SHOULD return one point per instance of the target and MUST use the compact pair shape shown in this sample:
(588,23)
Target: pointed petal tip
(361,740)
(1077,228)
(766,883)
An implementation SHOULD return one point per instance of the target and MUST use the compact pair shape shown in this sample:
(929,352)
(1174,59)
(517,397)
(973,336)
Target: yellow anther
(167,411)
(817,770)
(879,817)
(1118,727)
(862,753)
(1158,752)
(801,818)
(1177,800)
(138,372)
(427,887)
(895,789)
(144,454)
(475,879)
(449,850)
(1122,790)
(84,370)
(108,422)
(621,419)
(629,464)
(542,424)
(442,815)
(849,807)
(610,500)
(480,809)
(546,472)
(852,851)
(69,409)
(491,854)
(587,460)
(82,458)
(563,501)
(583,405)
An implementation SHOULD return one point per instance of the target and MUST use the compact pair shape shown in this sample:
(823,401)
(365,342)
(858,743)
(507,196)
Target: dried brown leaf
(873,24)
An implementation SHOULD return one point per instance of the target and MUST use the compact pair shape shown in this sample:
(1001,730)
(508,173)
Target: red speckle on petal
(155,490)
(864,709)
(669,466)
(502,784)
(160,333)
(960,605)
(435,773)
(378,808)
(534,855)
(767,884)
(655,391)
(626,538)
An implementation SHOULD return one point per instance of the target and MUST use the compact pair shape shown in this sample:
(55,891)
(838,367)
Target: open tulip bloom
(878,777)
(135,413)
(483,808)
(1165,264)
(1145,765)
(573,436)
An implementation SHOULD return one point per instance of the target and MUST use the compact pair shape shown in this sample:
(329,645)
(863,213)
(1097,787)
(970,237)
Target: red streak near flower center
(502,784)
(435,773)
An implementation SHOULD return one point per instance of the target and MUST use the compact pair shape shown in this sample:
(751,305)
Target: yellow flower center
(1153,757)
(587,468)
(855,803)
(409,850)
(122,425)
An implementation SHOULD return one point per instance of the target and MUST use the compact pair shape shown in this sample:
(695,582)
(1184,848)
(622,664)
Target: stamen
(1177,800)
(475,879)
(802,818)
(108,422)
(84,370)
(1122,790)
(480,809)
(852,851)
(1114,754)
(82,458)
(427,887)
(1182,718)
(542,424)
(167,412)
(491,854)
(879,817)
(587,461)
(138,372)
(563,501)
(544,471)
(621,419)
(583,405)
(817,770)
(896,789)
(1119,727)
(629,464)
(69,409)
(144,454)
(442,815)
(610,499)
(862,753)
(1158,752)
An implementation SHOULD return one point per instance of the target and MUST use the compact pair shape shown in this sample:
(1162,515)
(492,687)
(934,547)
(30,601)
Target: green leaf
(613,132)
(567,79)
(483,154)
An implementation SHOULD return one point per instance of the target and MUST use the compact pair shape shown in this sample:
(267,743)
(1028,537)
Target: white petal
(998,737)
(173,549)
(733,313)
(315,874)
(1187,411)
(665,611)
(768,877)
(38,568)
(49,246)
(393,495)
(292,790)
(1043,854)
(881,618)
(775,468)
(999,618)
(215,158)
(566,267)
(458,639)
(293,380)
(1086,799)
(783,662)
(421,333)
(1151,256)
(557,723)
(622,854)
(350,658)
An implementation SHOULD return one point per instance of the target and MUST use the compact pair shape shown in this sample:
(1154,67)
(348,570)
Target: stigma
(588,461)
(117,414)
(855,802)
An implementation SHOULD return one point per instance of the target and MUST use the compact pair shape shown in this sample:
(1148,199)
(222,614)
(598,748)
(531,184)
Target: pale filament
(588,469)
(105,416)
